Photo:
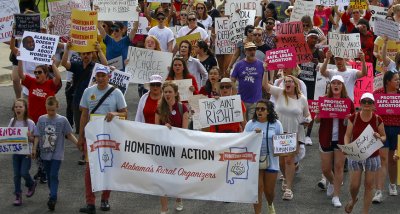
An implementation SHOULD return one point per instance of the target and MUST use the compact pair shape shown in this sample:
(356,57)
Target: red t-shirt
(359,126)
(38,94)
(176,117)
(149,110)
(388,120)
(230,127)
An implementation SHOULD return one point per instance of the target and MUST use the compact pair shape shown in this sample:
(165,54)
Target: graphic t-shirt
(321,19)
(249,75)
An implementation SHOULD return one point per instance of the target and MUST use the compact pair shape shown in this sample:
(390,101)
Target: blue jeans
(51,167)
(21,165)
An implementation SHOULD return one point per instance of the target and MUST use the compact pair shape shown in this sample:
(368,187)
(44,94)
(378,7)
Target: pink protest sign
(334,108)
(281,58)
(387,104)
(313,107)
(365,84)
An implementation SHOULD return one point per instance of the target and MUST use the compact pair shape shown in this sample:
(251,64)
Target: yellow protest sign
(358,4)
(192,38)
(83,30)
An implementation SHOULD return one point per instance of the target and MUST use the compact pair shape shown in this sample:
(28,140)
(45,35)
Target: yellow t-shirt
(392,48)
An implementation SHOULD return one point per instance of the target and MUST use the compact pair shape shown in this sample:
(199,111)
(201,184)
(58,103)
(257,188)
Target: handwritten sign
(313,107)
(120,79)
(26,22)
(364,84)
(80,4)
(291,35)
(38,47)
(344,45)
(83,30)
(144,62)
(195,109)
(333,108)
(363,147)
(238,22)
(385,27)
(117,10)
(284,144)
(116,62)
(62,25)
(378,81)
(281,58)
(321,82)
(142,28)
(7,10)
(57,7)
(220,111)
(387,104)
(14,140)
(359,4)
(302,8)
(183,88)
(232,5)
(223,44)
(327,3)
(377,12)
(192,38)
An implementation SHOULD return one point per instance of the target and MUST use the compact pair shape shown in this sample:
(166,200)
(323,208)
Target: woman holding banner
(171,113)
(266,120)
(331,133)
(355,127)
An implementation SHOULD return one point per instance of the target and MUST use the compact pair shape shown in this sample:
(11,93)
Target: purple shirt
(250,77)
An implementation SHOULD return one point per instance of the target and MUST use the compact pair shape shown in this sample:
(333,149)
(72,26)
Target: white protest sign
(116,62)
(183,88)
(385,27)
(14,140)
(378,81)
(377,12)
(38,47)
(7,10)
(151,159)
(284,144)
(220,111)
(57,7)
(62,24)
(363,147)
(117,10)
(321,82)
(342,3)
(80,5)
(195,108)
(223,44)
(120,79)
(144,62)
(237,23)
(232,5)
(327,3)
(344,45)
(143,24)
(302,8)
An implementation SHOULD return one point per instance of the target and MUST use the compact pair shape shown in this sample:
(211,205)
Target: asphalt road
(308,198)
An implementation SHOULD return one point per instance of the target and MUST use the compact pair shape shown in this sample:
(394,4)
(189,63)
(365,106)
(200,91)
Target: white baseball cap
(153,79)
(337,77)
(102,69)
(368,95)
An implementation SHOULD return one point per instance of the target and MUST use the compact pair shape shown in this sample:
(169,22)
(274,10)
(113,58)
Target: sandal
(287,195)
(349,206)
(284,185)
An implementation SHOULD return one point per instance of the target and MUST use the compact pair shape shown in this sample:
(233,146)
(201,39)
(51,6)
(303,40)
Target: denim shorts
(391,137)
(370,164)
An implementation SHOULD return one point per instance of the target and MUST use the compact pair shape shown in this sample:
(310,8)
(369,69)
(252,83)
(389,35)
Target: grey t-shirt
(114,102)
(51,133)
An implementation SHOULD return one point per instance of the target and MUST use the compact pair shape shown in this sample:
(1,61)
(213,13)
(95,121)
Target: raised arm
(385,58)
(64,59)
(57,75)
(324,66)
(100,54)
(364,70)
(134,30)
(20,70)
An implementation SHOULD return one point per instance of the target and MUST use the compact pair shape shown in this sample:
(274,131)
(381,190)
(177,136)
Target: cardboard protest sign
(327,3)
(281,58)
(193,38)
(116,62)
(359,4)
(120,79)
(14,140)
(363,147)
(57,7)
(385,27)
(364,84)
(344,45)
(313,107)
(377,12)
(378,82)
(387,104)
(26,22)
(284,144)
(291,35)
(38,47)
(117,10)
(223,44)
(62,25)
(142,28)
(195,109)
(83,30)
(144,62)
(334,108)
(7,12)
(302,8)
(342,3)
(220,111)
(80,4)
(237,23)
(183,88)
(232,5)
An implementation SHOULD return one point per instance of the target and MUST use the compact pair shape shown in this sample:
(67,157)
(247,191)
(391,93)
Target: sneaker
(271,209)
(90,209)
(308,141)
(31,190)
(336,202)
(43,179)
(392,189)
(322,184)
(302,153)
(378,198)
(18,199)
(329,190)
(105,206)
(287,195)
(179,205)
(51,204)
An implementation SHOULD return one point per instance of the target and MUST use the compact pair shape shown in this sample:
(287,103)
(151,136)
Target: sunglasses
(200,8)
(37,72)
(369,102)
(192,19)
(161,18)
(261,108)
(270,23)
(183,14)
(225,87)
(256,34)
(116,30)
(155,84)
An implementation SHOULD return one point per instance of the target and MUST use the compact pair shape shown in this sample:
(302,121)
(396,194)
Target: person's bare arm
(83,121)
(349,132)
(57,75)
(364,71)
(120,113)
(71,137)
(64,59)
(134,30)
(102,57)
(185,120)
(20,70)
(324,66)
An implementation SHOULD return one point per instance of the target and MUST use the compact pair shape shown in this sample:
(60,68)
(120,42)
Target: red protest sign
(291,34)
(387,104)
(281,58)
(365,84)
(334,108)
(313,107)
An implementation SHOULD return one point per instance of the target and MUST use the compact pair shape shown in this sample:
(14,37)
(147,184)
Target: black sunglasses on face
(261,108)
(225,86)
(37,72)
(192,19)
(369,102)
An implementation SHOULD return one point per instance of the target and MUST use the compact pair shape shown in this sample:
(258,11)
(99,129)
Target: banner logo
(238,163)
(104,146)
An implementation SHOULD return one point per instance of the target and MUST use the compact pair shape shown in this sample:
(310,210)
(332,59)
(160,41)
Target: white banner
(117,10)
(232,5)
(363,147)
(38,47)
(302,8)
(14,140)
(183,88)
(284,144)
(116,62)
(237,23)
(195,108)
(376,11)
(385,27)
(220,111)
(152,159)
(223,44)
(7,10)
(344,45)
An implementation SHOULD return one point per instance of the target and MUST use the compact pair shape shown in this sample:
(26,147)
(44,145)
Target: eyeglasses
(270,23)
(37,72)
(183,14)
(155,84)
(191,19)
(161,18)
(200,8)
(225,87)
(261,108)
(368,102)
(257,34)
(289,81)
